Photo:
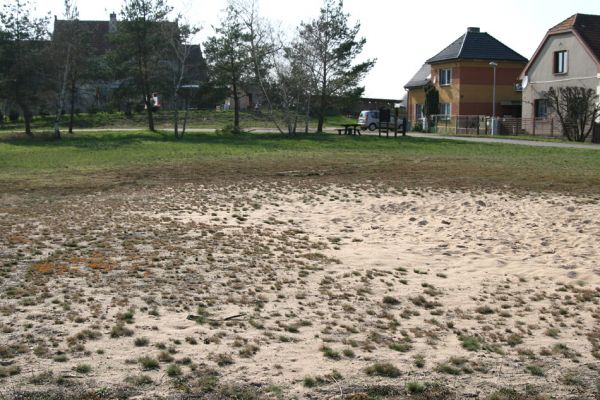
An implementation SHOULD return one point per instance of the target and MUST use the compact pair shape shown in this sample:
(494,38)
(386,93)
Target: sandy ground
(300,289)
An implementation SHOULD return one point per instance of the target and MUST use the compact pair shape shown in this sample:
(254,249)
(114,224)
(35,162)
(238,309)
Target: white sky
(401,34)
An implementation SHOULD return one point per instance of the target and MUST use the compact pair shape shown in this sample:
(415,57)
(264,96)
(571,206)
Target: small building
(415,97)
(464,77)
(569,55)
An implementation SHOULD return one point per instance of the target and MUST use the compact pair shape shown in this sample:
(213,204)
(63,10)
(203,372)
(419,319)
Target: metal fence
(482,125)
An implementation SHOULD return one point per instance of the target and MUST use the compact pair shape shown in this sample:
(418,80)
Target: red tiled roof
(588,28)
(564,25)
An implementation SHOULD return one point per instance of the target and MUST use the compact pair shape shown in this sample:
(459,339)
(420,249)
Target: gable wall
(582,70)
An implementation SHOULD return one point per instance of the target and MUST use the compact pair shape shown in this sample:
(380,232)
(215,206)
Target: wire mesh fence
(482,125)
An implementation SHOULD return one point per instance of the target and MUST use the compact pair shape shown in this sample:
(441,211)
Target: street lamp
(494,64)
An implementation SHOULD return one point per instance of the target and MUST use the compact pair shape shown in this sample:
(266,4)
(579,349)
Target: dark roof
(421,78)
(476,45)
(95,32)
(588,28)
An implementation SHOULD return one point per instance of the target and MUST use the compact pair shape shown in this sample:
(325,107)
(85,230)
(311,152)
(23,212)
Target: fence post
(533,131)
(552,127)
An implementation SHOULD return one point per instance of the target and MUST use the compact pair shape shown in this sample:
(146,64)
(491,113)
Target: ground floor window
(418,111)
(540,108)
(446,109)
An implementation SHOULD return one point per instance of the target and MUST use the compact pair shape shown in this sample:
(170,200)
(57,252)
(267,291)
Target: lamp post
(494,64)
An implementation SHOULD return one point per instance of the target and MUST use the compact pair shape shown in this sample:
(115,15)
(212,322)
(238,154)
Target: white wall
(582,70)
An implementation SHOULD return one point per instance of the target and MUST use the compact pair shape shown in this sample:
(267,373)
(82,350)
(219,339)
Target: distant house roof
(96,32)
(585,27)
(476,45)
(421,78)
(588,28)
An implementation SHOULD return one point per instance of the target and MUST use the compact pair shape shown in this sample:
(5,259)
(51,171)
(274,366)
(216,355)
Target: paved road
(509,141)
(534,143)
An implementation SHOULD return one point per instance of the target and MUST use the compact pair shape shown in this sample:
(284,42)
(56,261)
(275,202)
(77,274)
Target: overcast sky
(401,34)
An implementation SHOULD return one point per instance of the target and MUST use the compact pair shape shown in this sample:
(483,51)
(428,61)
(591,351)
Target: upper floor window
(445,77)
(560,62)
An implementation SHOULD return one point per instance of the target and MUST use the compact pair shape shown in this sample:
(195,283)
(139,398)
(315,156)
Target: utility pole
(494,64)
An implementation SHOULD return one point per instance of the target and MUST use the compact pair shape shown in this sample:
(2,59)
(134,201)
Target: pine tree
(335,46)
(23,63)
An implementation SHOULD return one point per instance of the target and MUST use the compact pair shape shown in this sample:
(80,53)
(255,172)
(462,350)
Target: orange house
(463,74)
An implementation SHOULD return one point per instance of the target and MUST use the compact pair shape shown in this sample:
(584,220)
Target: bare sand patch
(311,290)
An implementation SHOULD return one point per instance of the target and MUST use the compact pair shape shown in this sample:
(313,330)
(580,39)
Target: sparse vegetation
(383,369)
(253,247)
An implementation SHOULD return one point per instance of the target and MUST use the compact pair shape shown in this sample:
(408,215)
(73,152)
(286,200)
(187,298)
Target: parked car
(369,119)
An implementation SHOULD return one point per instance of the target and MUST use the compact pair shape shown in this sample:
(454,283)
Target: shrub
(383,369)
(141,341)
(9,371)
(471,343)
(173,370)
(139,380)
(148,363)
(83,368)
(330,353)
(415,387)
(535,370)
(120,330)
(392,301)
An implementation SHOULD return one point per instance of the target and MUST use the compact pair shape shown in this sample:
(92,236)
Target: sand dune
(275,284)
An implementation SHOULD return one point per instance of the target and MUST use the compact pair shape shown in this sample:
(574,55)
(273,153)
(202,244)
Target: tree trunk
(72,110)
(307,117)
(185,116)
(150,113)
(27,116)
(321,121)
(61,95)
(236,108)
(323,104)
(176,115)
(176,123)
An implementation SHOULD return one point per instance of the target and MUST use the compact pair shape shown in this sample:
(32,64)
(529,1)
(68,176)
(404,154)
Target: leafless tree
(179,37)
(64,53)
(577,109)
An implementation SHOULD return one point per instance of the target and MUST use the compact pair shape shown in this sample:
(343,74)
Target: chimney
(112,24)
(473,29)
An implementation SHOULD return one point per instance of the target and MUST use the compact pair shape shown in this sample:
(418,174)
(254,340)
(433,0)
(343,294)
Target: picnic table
(349,129)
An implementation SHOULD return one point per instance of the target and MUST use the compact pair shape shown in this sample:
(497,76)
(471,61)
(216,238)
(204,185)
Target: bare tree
(179,39)
(264,48)
(64,53)
(281,70)
(577,109)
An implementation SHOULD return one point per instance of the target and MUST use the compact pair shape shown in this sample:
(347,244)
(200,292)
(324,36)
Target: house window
(541,108)
(560,62)
(446,109)
(418,111)
(445,77)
